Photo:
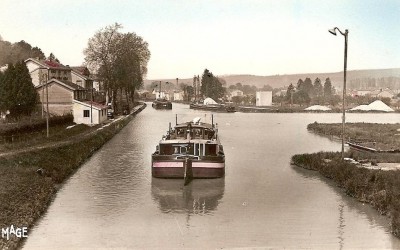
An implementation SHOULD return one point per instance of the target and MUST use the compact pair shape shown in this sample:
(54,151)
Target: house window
(86,113)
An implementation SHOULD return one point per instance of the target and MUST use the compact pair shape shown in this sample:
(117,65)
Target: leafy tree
(232,87)
(289,93)
(53,58)
(300,84)
(318,89)
(211,86)
(15,52)
(18,94)
(301,97)
(334,100)
(119,59)
(237,99)
(267,88)
(188,91)
(327,88)
(308,86)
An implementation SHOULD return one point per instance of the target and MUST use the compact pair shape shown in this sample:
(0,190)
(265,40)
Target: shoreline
(379,187)
(30,179)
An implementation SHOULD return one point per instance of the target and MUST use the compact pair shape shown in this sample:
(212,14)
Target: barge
(214,107)
(190,150)
(162,104)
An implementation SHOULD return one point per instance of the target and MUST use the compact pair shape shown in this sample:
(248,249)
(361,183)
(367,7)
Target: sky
(256,37)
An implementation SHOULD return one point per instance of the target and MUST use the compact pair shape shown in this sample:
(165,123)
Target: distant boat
(211,105)
(190,150)
(162,104)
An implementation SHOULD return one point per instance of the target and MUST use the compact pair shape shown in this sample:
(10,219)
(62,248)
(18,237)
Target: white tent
(377,105)
(209,100)
(317,108)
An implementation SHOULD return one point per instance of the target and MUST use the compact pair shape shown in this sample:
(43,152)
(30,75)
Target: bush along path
(29,178)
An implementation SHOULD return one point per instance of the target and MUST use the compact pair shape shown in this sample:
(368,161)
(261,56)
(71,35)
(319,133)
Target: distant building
(264,98)
(236,92)
(44,70)
(161,95)
(178,95)
(382,93)
(81,76)
(281,92)
(362,92)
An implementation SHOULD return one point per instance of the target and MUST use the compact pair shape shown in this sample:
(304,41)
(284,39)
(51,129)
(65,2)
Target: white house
(161,95)
(264,98)
(87,112)
(178,95)
(236,92)
(363,92)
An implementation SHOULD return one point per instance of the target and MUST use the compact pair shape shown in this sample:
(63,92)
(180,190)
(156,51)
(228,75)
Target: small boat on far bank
(162,104)
(211,105)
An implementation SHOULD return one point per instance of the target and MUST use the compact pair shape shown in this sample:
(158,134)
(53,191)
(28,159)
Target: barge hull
(175,169)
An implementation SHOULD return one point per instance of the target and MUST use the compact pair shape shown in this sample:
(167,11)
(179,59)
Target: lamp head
(332,31)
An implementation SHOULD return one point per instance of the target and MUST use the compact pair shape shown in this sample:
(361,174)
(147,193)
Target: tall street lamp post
(345,34)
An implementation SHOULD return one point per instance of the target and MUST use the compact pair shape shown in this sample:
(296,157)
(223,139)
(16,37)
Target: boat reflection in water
(201,196)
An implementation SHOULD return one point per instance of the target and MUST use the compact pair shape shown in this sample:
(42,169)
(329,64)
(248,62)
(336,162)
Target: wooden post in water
(188,175)
(176,119)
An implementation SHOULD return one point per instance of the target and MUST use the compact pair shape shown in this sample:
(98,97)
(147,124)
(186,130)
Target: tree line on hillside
(16,52)
(120,60)
(391,82)
(17,93)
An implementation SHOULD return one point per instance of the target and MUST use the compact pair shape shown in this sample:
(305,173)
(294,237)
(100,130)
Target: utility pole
(345,34)
(47,107)
(91,107)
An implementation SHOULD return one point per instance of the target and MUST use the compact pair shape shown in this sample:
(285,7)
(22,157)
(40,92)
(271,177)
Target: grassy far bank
(26,194)
(379,188)
(386,136)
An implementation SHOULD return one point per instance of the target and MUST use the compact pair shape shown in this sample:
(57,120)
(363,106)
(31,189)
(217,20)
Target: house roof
(82,71)
(94,105)
(67,84)
(48,64)
(76,72)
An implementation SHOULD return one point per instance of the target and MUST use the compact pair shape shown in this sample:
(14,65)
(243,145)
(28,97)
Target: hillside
(277,81)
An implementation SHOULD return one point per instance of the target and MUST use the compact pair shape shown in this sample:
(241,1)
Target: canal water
(113,202)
